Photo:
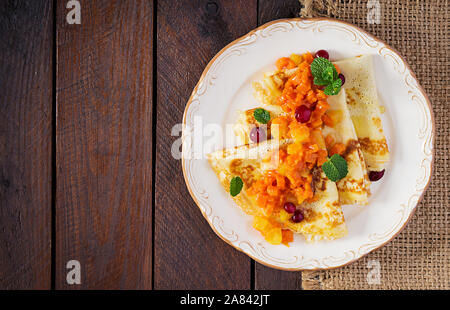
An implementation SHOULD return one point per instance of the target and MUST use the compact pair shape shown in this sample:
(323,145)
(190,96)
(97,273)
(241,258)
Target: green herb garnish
(261,115)
(333,88)
(325,74)
(335,168)
(236,185)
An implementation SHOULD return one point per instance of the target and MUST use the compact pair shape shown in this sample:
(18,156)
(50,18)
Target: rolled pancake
(323,218)
(364,107)
(355,187)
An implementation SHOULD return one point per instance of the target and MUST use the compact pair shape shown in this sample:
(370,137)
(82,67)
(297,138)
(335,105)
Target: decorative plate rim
(422,191)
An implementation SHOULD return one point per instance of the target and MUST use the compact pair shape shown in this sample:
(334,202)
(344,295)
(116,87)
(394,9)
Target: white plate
(225,87)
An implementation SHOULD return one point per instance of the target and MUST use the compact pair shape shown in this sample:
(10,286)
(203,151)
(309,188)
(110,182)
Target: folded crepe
(364,107)
(323,218)
(271,86)
(355,187)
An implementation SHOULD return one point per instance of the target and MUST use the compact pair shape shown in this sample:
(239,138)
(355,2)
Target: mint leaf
(319,65)
(327,74)
(335,168)
(261,115)
(335,73)
(333,88)
(341,164)
(236,185)
(331,171)
(320,81)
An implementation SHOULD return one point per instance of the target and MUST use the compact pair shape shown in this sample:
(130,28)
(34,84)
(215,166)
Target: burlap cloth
(418,258)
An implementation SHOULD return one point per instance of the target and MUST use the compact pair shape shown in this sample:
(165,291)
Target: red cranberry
(302,114)
(289,207)
(376,175)
(257,134)
(342,77)
(322,53)
(298,216)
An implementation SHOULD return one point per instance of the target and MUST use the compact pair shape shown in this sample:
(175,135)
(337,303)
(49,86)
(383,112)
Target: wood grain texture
(267,278)
(25,143)
(272,279)
(188,254)
(269,10)
(104,144)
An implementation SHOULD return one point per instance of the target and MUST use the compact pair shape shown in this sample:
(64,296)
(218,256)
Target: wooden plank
(269,10)
(267,278)
(26,32)
(272,279)
(188,254)
(104,144)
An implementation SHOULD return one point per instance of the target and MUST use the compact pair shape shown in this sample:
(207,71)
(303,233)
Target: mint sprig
(325,74)
(236,185)
(261,115)
(335,168)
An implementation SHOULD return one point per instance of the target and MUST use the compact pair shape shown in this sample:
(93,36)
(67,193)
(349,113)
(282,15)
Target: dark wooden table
(86,171)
